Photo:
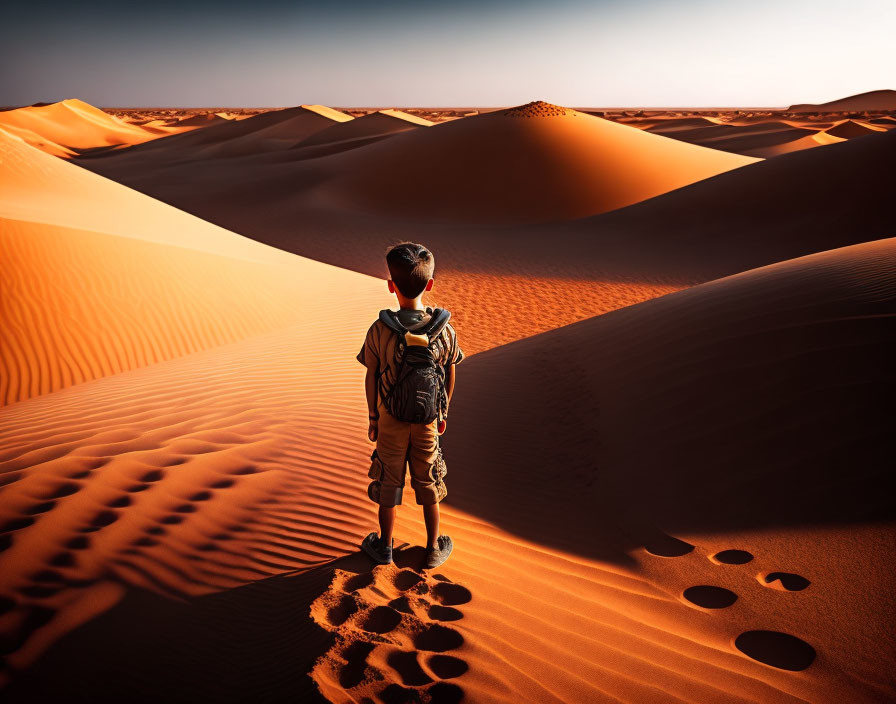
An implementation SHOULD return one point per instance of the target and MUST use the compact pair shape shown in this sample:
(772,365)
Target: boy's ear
(428,285)
(391,286)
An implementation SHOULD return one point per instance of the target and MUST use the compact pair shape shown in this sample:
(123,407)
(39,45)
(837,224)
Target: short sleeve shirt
(379,349)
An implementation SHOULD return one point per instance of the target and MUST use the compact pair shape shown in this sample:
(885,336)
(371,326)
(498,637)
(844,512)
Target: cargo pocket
(437,473)
(376,467)
(376,473)
(438,470)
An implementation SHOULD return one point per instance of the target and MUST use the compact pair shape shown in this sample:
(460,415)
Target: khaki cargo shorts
(401,445)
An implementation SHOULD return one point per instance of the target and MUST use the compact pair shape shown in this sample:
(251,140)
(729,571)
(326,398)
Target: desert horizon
(650,445)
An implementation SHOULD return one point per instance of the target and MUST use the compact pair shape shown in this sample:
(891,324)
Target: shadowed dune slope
(93,290)
(204,120)
(874,100)
(758,403)
(375,124)
(61,128)
(849,129)
(259,468)
(795,204)
(740,139)
(819,139)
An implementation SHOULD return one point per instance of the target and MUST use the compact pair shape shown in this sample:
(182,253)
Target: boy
(410,355)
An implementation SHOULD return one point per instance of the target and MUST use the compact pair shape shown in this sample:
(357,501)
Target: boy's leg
(387,523)
(427,472)
(431,518)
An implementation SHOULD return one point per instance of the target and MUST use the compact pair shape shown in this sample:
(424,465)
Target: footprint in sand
(783,581)
(392,643)
(710,597)
(781,650)
(732,557)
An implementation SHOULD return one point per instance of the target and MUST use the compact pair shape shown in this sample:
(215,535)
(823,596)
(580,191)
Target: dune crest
(70,126)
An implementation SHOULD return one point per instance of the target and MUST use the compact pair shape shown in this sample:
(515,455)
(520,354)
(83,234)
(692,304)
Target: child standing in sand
(410,355)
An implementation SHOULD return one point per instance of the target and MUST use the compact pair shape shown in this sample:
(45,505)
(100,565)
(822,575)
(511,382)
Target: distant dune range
(529,164)
(875,100)
(543,275)
(185,517)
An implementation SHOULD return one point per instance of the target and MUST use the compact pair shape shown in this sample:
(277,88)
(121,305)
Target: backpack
(418,393)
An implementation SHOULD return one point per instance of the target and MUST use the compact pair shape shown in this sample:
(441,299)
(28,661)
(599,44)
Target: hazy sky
(486,53)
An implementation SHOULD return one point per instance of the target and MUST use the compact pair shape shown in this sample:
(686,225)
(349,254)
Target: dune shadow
(252,643)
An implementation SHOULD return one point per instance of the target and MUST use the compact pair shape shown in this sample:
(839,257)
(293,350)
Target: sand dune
(885,122)
(795,204)
(269,131)
(251,474)
(532,163)
(93,291)
(740,139)
(72,125)
(553,274)
(808,142)
(208,119)
(374,124)
(668,125)
(873,101)
(723,414)
(852,128)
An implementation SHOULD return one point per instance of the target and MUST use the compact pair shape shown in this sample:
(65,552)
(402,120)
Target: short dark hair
(410,267)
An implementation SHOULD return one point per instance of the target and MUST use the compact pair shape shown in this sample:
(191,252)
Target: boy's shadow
(223,647)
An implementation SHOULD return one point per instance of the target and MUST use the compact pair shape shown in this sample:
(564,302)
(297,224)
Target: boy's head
(410,269)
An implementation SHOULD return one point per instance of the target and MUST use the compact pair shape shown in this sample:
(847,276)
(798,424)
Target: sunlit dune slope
(532,163)
(61,128)
(203,473)
(98,279)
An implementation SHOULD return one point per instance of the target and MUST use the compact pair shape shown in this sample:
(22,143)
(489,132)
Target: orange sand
(186,517)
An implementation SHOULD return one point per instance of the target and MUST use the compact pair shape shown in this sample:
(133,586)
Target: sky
(603,53)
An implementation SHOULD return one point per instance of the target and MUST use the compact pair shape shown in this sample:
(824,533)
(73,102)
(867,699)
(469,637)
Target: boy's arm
(372,412)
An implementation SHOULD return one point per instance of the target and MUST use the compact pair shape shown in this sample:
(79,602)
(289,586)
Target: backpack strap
(390,320)
(436,324)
